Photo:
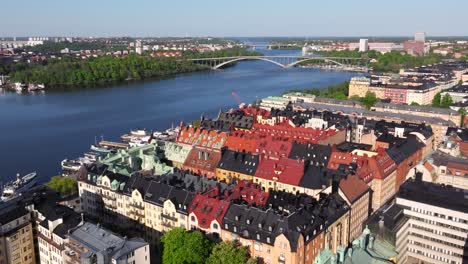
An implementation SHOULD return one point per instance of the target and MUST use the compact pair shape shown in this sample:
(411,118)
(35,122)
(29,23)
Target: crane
(236,97)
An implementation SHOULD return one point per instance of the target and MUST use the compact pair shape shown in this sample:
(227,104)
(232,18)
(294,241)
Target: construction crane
(236,97)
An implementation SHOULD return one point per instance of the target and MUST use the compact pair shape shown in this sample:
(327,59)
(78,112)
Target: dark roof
(400,152)
(316,154)
(219,125)
(237,118)
(242,162)
(11,210)
(439,195)
(462,133)
(350,146)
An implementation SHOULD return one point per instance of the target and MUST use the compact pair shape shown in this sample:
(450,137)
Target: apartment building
(90,243)
(435,224)
(16,234)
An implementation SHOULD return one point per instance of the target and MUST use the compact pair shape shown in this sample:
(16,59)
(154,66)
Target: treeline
(72,72)
(338,91)
(233,52)
(56,47)
(388,62)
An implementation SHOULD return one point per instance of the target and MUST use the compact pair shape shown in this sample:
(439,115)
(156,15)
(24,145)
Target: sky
(221,18)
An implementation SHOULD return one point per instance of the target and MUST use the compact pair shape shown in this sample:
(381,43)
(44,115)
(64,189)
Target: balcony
(108,197)
(139,206)
(168,217)
(167,224)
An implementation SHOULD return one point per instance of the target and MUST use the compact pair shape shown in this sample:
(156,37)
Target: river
(38,131)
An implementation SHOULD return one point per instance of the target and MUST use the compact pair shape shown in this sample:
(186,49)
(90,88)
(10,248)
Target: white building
(434,227)
(363,45)
(420,37)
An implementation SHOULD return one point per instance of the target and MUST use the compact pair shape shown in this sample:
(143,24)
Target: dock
(111,144)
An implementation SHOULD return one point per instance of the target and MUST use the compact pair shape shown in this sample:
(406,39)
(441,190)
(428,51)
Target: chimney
(335,186)
(418,175)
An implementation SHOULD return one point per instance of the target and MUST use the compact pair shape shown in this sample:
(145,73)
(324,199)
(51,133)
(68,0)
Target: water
(38,131)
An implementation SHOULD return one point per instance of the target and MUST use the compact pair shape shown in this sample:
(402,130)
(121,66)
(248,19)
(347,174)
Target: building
(415,48)
(420,37)
(90,243)
(235,164)
(363,45)
(458,93)
(367,248)
(434,224)
(277,102)
(16,234)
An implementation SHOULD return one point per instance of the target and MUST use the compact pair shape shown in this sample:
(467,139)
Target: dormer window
(259,225)
(237,218)
(258,236)
(248,221)
(270,228)
(268,239)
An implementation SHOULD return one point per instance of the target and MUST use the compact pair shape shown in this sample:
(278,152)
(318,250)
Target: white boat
(71,165)
(21,184)
(135,133)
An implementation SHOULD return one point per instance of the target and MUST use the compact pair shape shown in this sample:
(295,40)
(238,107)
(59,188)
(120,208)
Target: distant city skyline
(241,18)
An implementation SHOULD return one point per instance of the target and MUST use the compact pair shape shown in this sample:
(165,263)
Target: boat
(134,134)
(21,184)
(100,149)
(71,165)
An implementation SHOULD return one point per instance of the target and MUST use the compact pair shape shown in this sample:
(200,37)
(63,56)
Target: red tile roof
(210,139)
(353,187)
(284,170)
(249,192)
(208,208)
(309,135)
(202,161)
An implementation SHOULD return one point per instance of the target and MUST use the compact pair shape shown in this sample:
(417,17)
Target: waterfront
(38,131)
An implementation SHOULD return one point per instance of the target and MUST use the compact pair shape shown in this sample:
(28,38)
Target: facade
(274,102)
(434,225)
(363,45)
(16,235)
(176,153)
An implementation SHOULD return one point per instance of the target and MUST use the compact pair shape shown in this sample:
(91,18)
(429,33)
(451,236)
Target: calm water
(38,131)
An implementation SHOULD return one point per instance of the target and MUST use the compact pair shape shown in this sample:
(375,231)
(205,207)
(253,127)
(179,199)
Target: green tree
(447,101)
(64,185)
(227,253)
(463,113)
(436,100)
(182,246)
(414,103)
(369,100)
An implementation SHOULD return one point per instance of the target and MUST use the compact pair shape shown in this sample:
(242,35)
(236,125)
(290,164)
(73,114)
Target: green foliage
(64,185)
(227,253)
(72,72)
(196,123)
(339,91)
(414,103)
(222,53)
(436,100)
(182,246)
(463,113)
(56,47)
(388,62)
(446,101)
(369,100)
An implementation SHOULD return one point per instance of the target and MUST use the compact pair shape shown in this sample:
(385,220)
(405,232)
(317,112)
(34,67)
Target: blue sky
(233,18)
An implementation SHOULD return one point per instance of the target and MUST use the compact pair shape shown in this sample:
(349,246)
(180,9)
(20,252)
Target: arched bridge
(281,61)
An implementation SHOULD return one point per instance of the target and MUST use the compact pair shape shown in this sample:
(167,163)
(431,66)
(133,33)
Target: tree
(64,185)
(436,100)
(227,253)
(414,103)
(463,113)
(182,246)
(446,101)
(369,100)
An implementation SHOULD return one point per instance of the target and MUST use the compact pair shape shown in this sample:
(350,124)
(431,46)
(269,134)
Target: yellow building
(16,236)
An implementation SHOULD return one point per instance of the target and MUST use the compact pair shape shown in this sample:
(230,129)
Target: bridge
(281,61)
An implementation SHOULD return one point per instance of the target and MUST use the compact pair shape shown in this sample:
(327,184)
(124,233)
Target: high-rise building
(420,37)
(363,45)
(434,224)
